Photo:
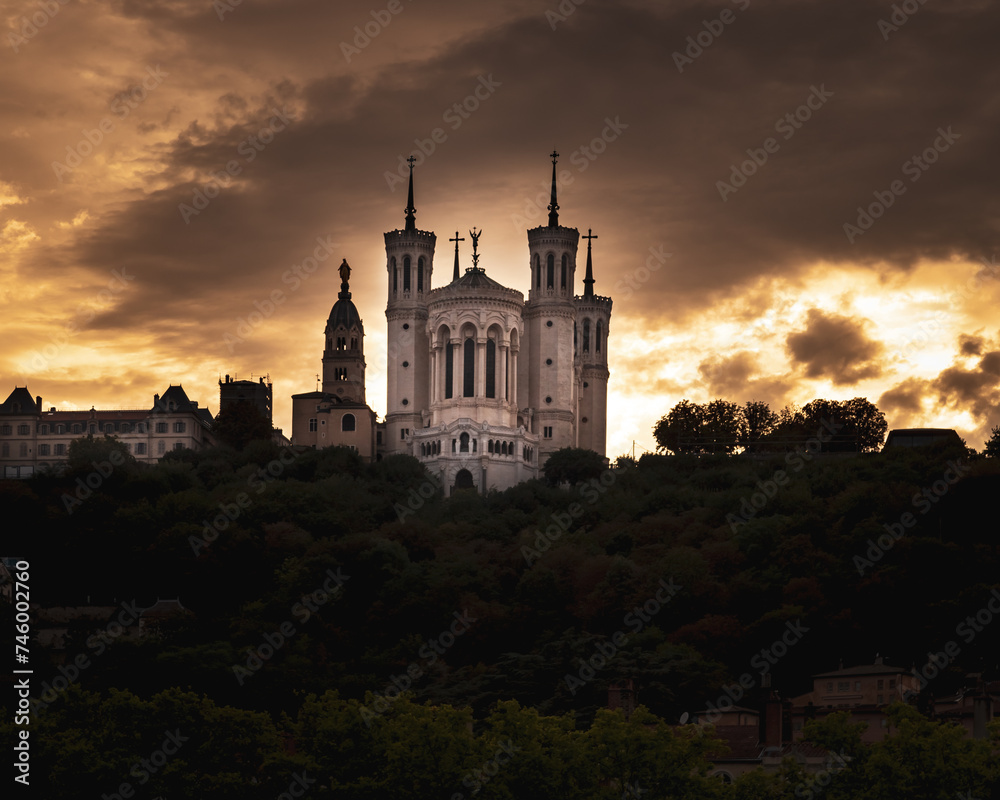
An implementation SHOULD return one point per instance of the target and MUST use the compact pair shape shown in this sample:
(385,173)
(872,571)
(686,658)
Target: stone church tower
(482,385)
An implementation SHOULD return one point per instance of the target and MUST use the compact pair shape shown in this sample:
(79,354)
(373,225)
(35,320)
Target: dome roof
(345,313)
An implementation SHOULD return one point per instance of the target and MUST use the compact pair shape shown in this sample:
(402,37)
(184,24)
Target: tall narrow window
(406,274)
(538,273)
(449,370)
(565,270)
(420,274)
(395,277)
(469,373)
(586,336)
(550,270)
(598,336)
(463,443)
(491,368)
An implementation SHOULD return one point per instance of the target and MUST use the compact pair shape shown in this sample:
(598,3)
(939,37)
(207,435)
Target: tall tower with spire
(409,266)
(593,317)
(550,383)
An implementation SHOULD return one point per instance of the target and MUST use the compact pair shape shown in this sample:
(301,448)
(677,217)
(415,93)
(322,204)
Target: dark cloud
(836,347)
(904,398)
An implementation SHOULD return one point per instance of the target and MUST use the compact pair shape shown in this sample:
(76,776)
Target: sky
(794,200)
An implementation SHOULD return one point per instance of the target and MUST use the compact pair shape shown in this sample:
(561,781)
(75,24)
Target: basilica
(483,385)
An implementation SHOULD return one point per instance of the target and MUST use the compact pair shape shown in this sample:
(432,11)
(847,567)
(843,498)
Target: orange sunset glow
(794,200)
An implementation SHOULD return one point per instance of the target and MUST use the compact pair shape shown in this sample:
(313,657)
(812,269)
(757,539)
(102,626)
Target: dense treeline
(723,426)
(544,576)
(180,744)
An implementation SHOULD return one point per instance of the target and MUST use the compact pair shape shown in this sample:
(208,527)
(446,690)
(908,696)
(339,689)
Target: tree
(88,453)
(573,465)
(992,448)
(237,424)
(866,423)
(759,421)
(679,431)
(723,426)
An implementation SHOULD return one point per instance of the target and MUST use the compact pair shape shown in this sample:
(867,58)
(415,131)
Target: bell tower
(549,316)
(344,353)
(409,266)
(593,317)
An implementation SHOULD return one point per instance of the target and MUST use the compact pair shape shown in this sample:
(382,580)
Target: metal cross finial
(411,161)
(554,156)
(456,240)
(589,236)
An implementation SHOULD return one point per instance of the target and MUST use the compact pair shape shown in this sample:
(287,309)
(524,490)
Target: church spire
(410,218)
(553,205)
(456,240)
(588,282)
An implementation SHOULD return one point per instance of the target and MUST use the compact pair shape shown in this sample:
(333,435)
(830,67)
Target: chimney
(769,732)
(38,403)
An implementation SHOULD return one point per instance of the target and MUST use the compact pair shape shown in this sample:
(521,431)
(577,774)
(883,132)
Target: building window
(161,447)
(313,425)
(420,274)
(547,432)
(469,373)
(23,449)
(449,370)
(60,449)
(406,274)
(857,686)
(598,337)
(354,343)
(60,429)
(5,450)
(43,450)
(503,449)
(77,428)
(548,399)
(538,273)
(180,427)
(5,430)
(395,277)
(489,446)
(43,428)
(109,427)
(178,445)
(23,430)
(347,423)
(126,427)
(491,368)
(565,269)
(881,684)
(140,448)
(829,686)
(161,427)
(586,336)
(140,427)
(843,686)
(404,432)
(892,683)
(881,699)
(550,269)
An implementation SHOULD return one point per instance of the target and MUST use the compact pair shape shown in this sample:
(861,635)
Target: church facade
(483,384)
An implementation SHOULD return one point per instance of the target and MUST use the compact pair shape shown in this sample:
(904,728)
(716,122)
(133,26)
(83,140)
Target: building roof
(174,399)
(921,437)
(864,669)
(20,401)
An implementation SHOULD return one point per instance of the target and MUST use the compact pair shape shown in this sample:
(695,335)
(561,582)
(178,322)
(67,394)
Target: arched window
(469,373)
(420,274)
(538,272)
(348,423)
(406,274)
(489,446)
(491,368)
(586,336)
(354,343)
(474,443)
(550,270)
(598,337)
(463,480)
(449,370)
(503,449)
(463,443)
(565,270)
(395,276)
